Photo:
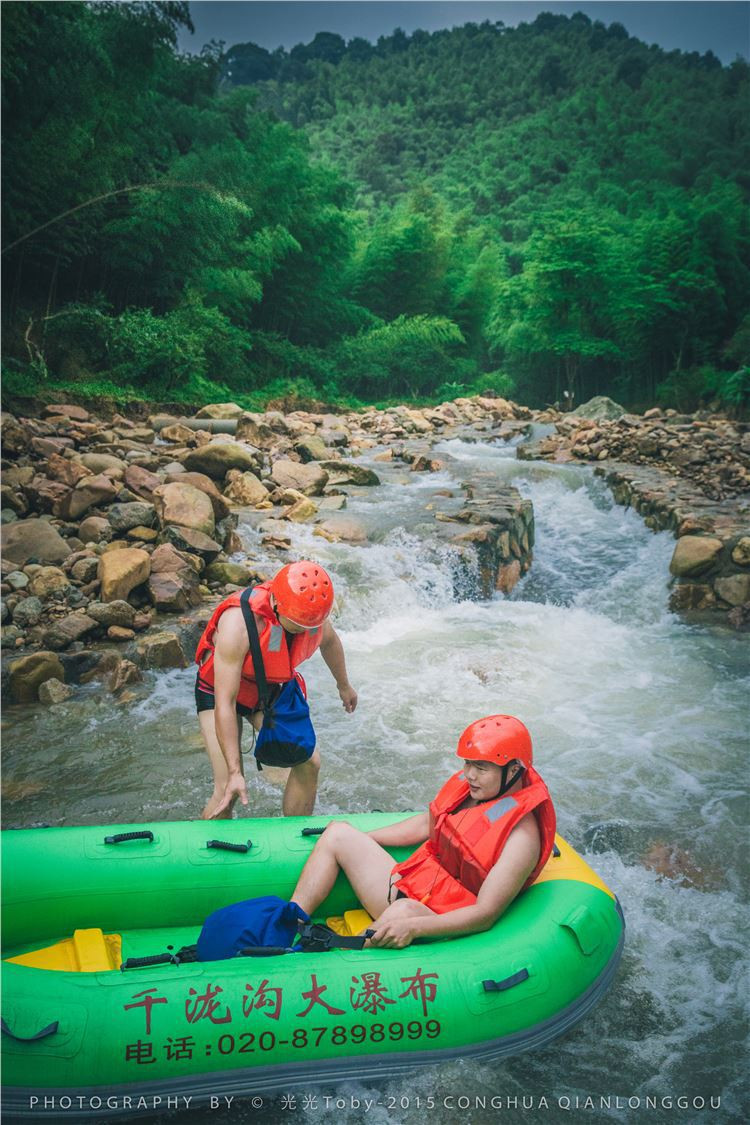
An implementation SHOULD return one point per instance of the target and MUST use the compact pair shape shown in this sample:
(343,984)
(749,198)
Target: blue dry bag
(265,922)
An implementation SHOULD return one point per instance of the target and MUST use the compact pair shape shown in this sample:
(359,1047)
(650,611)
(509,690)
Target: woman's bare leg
(344,848)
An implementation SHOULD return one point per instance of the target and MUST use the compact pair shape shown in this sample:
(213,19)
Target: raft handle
(122,836)
(50,1030)
(313,831)
(509,982)
(225,846)
(155,959)
(555,851)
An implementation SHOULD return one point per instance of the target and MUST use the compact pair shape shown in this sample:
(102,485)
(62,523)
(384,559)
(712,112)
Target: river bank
(119,534)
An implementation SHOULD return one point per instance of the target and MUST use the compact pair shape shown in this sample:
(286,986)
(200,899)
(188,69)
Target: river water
(639,724)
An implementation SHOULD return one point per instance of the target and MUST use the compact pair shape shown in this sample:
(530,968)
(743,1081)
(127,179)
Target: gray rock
(54,691)
(599,409)
(118,612)
(34,538)
(28,612)
(137,513)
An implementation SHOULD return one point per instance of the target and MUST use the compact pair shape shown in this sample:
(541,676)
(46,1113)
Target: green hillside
(548,209)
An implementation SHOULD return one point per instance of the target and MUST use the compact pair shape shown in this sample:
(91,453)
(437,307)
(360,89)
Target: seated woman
(487,835)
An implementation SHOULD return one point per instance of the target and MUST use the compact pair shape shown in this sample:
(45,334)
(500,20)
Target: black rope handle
(314,831)
(225,846)
(509,982)
(143,962)
(122,836)
(50,1030)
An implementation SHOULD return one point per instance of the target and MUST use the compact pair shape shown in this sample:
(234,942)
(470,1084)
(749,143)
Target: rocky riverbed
(119,534)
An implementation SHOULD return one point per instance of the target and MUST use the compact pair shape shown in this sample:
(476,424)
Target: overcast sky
(722,26)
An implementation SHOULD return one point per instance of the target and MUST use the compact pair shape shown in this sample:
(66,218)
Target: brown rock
(69,629)
(161,650)
(120,571)
(245,489)
(173,582)
(15,436)
(177,433)
(34,538)
(66,410)
(508,576)
(218,457)
(302,511)
(29,672)
(118,633)
(339,527)
(310,479)
(733,588)
(54,691)
(46,446)
(220,410)
(11,498)
(254,428)
(47,580)
(346,472)
(143,534)
(66,471)
(94,529)
(125,672)
(98,463)
(741,551)
(691,595)
(236,574)
(85,570)
(141,481)
(185,506)
(204,484)
(89,492)
(191,541)
(694,554)
(46,495)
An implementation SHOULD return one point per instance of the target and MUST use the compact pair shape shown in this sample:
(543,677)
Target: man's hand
(348,697)
(394,933)
(235,787)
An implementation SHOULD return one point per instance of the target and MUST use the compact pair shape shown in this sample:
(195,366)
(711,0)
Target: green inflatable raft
(89,1025)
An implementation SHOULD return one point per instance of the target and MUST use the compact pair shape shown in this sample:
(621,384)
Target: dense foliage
(552,210)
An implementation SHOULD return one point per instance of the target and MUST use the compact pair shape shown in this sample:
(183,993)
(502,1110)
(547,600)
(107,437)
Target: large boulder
(600,409)
(346,472)
(185,506)
(245,489)
(120,571)
(173,582)
(28,673)
(236,574)
(220,410)
(33,539)
(310,479)
(218,457)
(88,493)
(311,448)
(338,527)
(694,554)
(734,588)
(204,484)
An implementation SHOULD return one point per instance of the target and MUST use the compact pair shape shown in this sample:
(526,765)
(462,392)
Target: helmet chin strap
(505,784)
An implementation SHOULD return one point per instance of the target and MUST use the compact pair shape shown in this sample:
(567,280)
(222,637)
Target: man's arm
(404,833)
(505,880)
(332,651)
(229,655)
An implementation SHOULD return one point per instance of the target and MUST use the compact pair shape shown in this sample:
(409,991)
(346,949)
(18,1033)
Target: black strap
(49,1030)
(509,982)
(317,938)
(255,649)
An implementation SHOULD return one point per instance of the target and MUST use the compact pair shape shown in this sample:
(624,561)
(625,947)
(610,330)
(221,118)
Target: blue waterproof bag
(255,924)
(287,736)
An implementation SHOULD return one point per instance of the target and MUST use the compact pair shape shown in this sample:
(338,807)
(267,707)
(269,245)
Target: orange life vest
(447,871)
(279,659)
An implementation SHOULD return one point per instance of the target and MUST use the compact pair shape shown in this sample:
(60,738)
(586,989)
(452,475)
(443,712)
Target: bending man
(487,835)
(290,617)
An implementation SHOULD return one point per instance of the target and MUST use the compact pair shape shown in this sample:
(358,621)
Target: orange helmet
(303,593)
(498,738)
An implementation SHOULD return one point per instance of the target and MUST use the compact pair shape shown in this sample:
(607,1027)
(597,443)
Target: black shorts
(206,701)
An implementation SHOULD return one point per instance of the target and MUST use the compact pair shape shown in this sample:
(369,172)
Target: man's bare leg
(218,763)
(301,787)
(365,863)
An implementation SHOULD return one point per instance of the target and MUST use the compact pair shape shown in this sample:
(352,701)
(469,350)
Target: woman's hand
(348,697)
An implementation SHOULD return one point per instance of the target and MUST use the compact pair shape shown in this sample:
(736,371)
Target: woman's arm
(404,833)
